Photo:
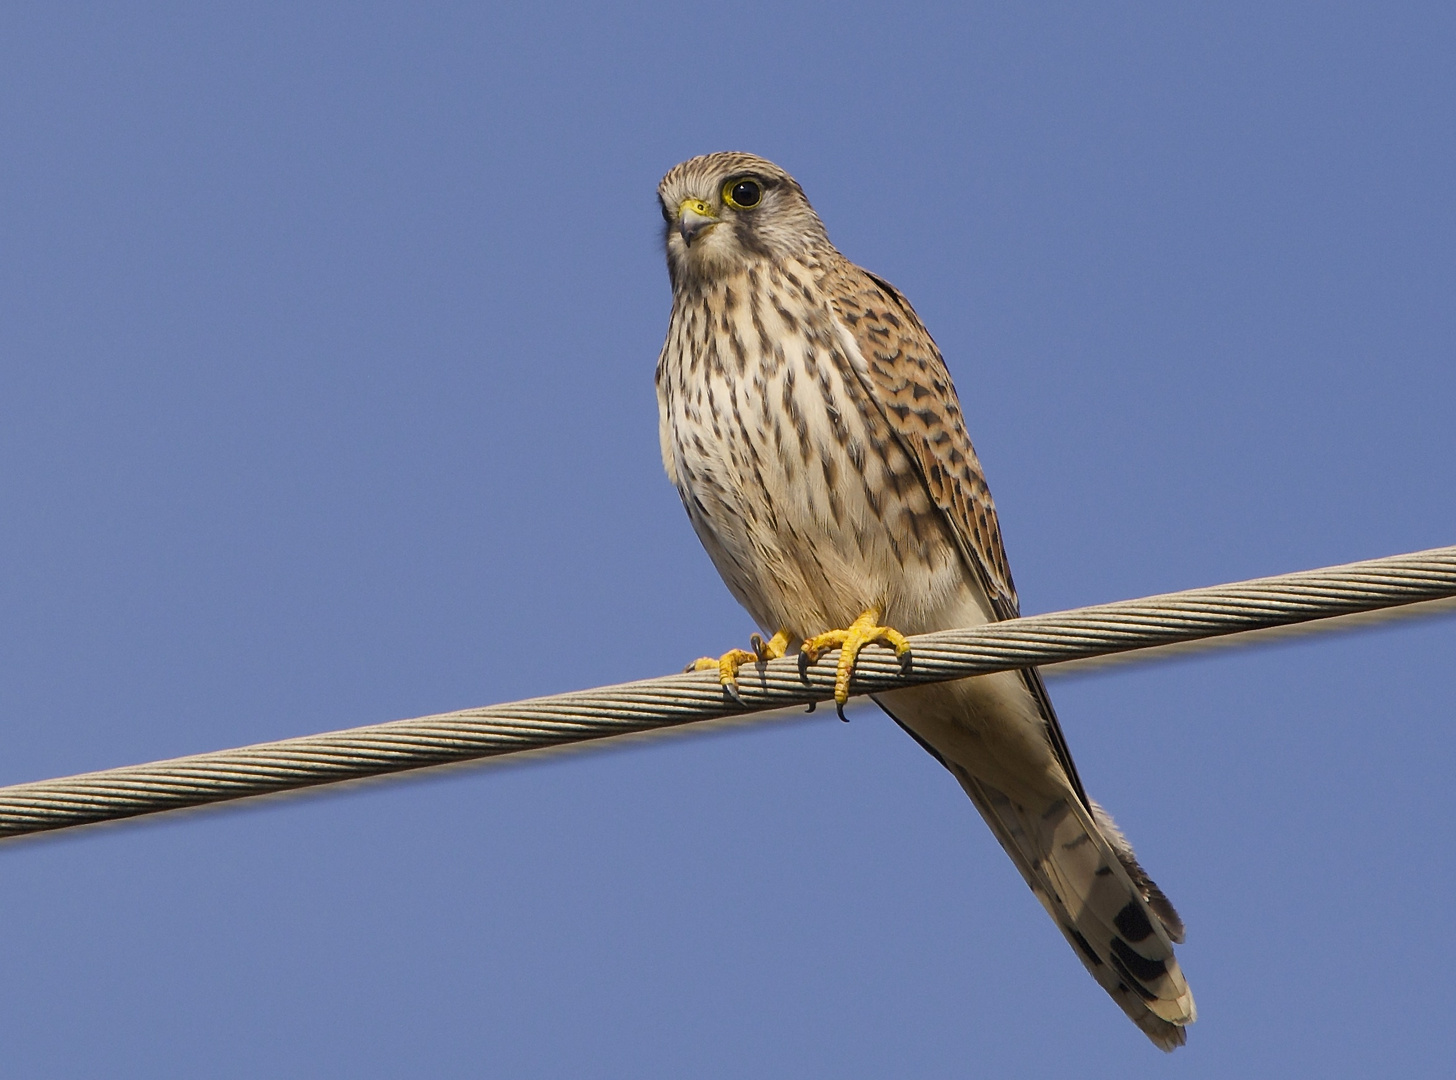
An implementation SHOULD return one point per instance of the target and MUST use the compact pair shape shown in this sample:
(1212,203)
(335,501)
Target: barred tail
(1001,742)
(1117,920)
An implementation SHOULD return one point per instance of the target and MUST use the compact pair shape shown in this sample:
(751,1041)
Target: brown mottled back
(907,376)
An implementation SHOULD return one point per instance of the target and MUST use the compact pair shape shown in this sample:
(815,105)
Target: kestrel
(810,426)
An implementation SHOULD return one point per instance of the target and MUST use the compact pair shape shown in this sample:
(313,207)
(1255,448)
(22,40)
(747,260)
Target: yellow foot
(863,631)
(728,664)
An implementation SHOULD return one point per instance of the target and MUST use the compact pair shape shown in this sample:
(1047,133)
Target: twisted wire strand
(655,704)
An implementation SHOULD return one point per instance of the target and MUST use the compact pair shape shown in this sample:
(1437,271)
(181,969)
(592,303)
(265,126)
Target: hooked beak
(694,216)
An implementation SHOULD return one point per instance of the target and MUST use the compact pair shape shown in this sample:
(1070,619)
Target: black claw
(731,689)
(839,708)
(812,706)
(906,662)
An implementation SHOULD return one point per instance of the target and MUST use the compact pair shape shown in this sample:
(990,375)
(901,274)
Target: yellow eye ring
(742,193)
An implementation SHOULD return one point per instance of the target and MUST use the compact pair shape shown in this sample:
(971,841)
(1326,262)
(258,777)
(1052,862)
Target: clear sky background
(327,336)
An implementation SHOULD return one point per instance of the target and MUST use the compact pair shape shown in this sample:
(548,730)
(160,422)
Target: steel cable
(1080,635)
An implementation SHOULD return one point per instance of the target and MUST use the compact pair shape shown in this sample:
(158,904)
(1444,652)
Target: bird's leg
(728,664)
(863,631)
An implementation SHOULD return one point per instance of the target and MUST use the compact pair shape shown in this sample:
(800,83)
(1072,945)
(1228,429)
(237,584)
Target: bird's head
(726,211)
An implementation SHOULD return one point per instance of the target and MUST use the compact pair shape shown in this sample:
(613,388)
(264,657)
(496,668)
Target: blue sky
(326,348)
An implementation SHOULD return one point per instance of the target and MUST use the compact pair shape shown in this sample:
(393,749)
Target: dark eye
(743,193)
(666,213)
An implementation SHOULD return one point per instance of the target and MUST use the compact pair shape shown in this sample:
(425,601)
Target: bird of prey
(810,427)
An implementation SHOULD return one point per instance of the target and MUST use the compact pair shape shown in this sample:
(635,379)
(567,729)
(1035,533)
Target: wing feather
(906,377)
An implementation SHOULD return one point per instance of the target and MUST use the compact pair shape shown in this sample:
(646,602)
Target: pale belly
(806,503)
(813,514)
(805,555)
